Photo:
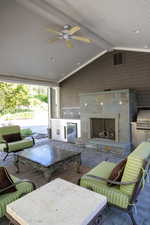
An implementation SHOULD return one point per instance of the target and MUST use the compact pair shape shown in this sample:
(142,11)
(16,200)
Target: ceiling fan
(67,34)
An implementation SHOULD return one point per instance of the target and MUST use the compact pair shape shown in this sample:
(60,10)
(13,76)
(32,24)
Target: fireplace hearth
(102,128)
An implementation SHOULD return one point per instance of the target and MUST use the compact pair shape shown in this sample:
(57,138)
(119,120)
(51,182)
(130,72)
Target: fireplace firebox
(103,128)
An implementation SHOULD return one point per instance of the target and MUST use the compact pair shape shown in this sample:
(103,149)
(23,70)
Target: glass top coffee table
(48,159)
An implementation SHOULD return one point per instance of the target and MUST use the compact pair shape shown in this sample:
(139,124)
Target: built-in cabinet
(65,129)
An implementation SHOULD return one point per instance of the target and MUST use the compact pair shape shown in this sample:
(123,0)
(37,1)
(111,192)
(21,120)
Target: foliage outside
(42,98)
(18,101)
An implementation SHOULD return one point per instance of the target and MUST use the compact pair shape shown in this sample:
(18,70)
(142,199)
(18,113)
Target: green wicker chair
(23,187)
(16,145)
(125,194)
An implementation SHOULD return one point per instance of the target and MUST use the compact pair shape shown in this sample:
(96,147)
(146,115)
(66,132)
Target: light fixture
(137,31)
(101,103)
(78,64)
(120,103)
(52,59)
(85,104)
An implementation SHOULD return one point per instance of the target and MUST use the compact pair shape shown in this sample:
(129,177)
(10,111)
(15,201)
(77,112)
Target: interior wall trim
(132,49)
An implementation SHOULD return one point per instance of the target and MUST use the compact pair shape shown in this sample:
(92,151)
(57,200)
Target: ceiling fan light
(67,27)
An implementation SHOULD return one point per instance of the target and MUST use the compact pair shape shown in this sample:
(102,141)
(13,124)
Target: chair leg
(5,156)
(130,213)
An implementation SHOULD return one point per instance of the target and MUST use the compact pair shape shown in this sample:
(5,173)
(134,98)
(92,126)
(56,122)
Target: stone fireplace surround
(118,104)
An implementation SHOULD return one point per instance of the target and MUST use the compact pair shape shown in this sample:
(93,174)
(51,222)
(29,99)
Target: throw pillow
(117,172)
(5,181)
(12,137)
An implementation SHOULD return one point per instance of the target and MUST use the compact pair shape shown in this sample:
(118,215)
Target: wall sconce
(85,104)
(101,103)
(120,102)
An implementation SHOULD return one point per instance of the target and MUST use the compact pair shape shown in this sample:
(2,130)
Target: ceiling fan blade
(74,30)
(53,40)
(53,31)
(84,39)
(69,44)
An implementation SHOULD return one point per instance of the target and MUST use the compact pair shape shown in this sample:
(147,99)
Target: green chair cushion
(9,130)
(18,145)
(5,199)
(113,194)
(2,147)
(134,165)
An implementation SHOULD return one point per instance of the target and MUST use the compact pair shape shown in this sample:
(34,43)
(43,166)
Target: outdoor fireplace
(106,117)
(102,128)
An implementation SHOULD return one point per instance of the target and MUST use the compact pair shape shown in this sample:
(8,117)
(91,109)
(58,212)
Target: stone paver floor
(91,158)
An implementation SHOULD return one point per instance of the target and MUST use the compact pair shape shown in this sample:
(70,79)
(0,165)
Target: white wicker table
(58,203)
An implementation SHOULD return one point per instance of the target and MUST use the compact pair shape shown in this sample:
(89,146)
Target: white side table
(58,203)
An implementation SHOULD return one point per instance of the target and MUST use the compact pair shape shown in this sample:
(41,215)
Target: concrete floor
(91,158)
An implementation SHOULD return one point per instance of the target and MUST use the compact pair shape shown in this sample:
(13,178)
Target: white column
(58,102)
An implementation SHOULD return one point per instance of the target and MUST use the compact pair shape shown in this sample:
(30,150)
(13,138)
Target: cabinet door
(71,132)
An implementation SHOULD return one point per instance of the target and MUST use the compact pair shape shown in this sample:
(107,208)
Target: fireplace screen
(103,128)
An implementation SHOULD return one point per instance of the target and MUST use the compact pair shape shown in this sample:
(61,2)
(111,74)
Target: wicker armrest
(16,183)
(110,181)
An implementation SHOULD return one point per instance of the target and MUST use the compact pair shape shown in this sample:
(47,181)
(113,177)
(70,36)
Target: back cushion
(12,137)
(9,130)
(134,165)
(131,173)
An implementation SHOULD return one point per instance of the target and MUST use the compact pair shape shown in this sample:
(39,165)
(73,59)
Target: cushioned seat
(5,199)
(13,146)
(114,196)
(125,194)
(17,145)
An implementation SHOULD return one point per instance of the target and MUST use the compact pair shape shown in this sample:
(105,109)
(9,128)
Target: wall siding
(102,74)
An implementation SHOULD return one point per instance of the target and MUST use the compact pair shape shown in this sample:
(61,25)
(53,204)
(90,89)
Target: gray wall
(102,74)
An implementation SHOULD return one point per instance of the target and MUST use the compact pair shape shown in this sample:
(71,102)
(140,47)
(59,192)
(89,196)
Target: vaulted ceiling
(26,53)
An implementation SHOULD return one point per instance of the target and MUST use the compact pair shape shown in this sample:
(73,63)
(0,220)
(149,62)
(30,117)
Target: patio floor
(90,158)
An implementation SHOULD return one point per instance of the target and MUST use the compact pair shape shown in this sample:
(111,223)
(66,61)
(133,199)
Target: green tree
(42,97)
(12,96)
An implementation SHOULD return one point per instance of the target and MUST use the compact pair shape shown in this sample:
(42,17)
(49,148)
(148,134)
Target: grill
(143,120)
(141,128)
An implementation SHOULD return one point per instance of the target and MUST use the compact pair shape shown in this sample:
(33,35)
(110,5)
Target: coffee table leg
(16,163)
(78,164)
(47,175)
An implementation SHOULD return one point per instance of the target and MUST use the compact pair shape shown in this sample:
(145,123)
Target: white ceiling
(24,48)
